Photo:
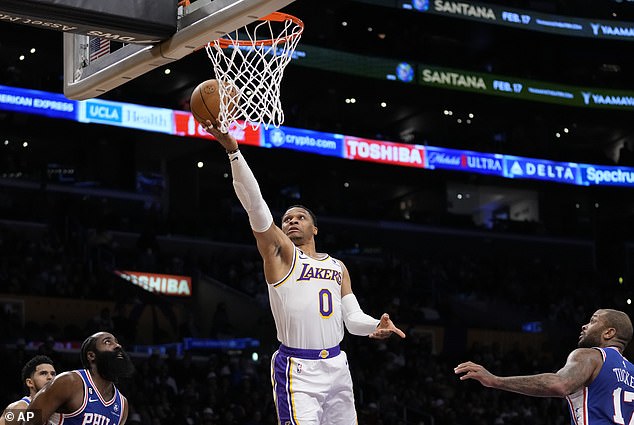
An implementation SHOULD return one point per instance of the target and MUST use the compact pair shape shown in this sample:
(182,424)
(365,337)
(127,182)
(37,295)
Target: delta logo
(166,284)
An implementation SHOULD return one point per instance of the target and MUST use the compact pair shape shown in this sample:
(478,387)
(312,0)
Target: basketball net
(249,64)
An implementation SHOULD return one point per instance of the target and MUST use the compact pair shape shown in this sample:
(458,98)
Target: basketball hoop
(250,62)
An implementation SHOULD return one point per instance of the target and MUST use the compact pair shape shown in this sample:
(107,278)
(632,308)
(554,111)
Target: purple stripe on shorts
(282,393)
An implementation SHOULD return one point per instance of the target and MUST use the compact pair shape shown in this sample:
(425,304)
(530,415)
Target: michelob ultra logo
(162,283)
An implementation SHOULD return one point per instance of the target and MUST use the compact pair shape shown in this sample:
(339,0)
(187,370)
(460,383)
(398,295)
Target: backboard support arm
(202,22)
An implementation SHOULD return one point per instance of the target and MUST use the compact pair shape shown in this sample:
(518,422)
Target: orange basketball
(205,102)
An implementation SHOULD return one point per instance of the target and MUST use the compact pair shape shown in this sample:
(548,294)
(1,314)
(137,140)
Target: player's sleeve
(356,321)
(248,191)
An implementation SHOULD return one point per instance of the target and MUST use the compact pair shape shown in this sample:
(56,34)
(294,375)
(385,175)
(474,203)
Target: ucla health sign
(126,115)
(37,102)
(539,169)
(329,144)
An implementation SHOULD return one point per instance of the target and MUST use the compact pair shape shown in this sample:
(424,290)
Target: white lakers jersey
(306,303)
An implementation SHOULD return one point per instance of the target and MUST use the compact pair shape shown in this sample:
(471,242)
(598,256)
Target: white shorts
(312,387)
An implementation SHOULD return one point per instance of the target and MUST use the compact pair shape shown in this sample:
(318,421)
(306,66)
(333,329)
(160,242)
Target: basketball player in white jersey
(311,299)
(597,381)
(36,373)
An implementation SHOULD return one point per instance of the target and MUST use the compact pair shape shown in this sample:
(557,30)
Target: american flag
(98,47)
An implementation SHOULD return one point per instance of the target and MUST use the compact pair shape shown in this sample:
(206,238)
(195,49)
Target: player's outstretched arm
(356,321)
(581,368)
(274,246)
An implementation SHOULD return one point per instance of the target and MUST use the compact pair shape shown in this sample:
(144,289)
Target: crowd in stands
(396,382)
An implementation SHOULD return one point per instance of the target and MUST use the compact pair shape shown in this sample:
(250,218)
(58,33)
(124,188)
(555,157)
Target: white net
(249,64)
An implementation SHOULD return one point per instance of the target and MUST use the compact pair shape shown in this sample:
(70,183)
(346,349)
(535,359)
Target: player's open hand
(475,371)
(386,328)
(225,139)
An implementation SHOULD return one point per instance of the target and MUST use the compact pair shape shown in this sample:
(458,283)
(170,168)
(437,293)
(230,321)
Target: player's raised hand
(386,328)
(225,139)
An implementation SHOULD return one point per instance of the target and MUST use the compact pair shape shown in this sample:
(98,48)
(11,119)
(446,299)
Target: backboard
(91,70)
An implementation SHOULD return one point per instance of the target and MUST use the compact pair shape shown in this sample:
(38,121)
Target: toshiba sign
(166,284)
(384,152)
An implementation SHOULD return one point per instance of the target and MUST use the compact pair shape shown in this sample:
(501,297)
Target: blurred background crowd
(512,301)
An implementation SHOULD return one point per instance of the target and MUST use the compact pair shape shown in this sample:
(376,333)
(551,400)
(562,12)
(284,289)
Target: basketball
(204,103)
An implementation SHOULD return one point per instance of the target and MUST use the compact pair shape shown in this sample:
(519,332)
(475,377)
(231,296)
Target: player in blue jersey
(597,380)
(36,373)
(88,396)
(311,299)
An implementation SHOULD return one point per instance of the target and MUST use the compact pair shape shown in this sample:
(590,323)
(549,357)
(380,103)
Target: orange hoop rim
(272,17)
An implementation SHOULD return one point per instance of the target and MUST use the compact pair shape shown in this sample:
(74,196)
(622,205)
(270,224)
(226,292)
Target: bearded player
(88,396)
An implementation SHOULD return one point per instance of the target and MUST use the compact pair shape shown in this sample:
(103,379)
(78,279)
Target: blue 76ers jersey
(94,409)
(609,399)
(306,303)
